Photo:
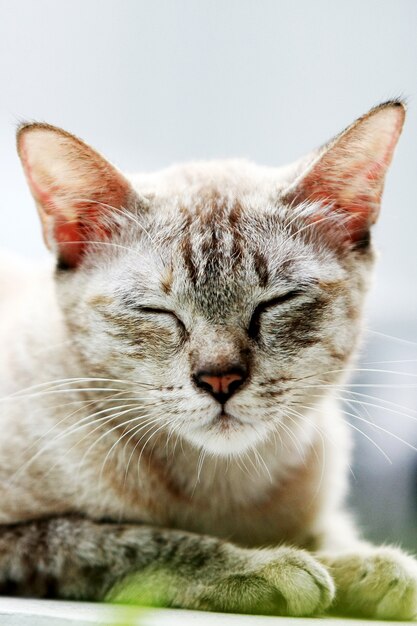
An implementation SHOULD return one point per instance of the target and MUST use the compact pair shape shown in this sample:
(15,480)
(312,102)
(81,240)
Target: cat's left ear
(347,175)
(78,193)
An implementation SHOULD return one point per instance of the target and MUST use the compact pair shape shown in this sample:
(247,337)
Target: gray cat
(170,434)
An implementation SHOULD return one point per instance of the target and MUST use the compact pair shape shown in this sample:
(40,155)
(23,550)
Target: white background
(151,82)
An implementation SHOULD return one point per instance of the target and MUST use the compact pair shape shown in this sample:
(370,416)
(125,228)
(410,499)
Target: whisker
(147,441)
(108,420)
(247,456)
(116,443)
(132,451)
(261,461)
(384,430)
(81,424)
(111,430)
(65,433)
(391,337)
(377,406)
(313,408)
(56,384)
(390,402)
(353,370)
(66,417)
(370,439)
(127,214)
(324,385)
(326,218)
(392,361)
(105,243)
(199,466)
(290,433)
(322,432)
(323,448)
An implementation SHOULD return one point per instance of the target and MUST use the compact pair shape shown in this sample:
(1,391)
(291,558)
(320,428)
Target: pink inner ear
(349,174)
(70,244)
(342,193)
(92,226)
(70,222)
(65,234)
(355,192)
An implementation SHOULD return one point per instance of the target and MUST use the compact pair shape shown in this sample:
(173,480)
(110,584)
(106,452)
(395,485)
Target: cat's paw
(276,582)
(379,583)
(283,581)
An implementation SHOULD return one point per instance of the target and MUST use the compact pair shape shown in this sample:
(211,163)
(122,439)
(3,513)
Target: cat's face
(226,296)
(225,319)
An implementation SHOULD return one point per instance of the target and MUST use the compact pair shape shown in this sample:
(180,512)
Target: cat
(170,429)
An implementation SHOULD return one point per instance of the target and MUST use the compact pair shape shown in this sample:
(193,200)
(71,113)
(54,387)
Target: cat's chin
(226,436)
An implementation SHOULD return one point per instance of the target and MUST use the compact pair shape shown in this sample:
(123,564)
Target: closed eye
(155,311)
(254,324)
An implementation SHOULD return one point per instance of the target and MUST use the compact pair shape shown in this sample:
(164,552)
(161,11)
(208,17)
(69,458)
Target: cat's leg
(80,559)
(371,581)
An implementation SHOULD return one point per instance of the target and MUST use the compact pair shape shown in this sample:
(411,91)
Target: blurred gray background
(151,83)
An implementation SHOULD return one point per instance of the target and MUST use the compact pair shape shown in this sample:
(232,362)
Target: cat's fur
(120,478)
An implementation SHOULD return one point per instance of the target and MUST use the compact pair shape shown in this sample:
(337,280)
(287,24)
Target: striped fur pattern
(122,476)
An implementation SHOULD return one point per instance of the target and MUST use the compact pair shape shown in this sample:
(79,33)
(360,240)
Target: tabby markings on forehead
(186,248)
(211,225)
(261,267)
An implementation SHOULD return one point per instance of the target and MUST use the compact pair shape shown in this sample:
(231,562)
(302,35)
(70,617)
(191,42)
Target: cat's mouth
(225,419)
(224,433)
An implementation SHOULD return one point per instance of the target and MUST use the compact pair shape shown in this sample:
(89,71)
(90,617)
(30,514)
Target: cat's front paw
(285,581)
(379,583)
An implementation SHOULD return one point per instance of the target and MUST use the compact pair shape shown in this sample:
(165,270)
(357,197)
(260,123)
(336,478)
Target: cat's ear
(73,187)
(347,175)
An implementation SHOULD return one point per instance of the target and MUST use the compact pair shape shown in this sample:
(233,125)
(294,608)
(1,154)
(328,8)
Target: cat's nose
(221,384)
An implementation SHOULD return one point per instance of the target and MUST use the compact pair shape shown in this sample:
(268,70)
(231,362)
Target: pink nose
(221,385)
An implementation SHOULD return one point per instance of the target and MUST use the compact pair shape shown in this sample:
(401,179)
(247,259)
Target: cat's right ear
(75,189)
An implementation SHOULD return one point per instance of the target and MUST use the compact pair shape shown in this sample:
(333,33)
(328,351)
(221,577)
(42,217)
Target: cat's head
(227,296)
